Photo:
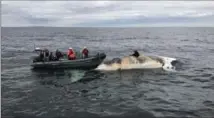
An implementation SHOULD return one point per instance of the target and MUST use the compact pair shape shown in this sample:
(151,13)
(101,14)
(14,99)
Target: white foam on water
(167,63)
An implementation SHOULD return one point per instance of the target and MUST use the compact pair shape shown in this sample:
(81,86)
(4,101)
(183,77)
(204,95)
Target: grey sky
(107,13)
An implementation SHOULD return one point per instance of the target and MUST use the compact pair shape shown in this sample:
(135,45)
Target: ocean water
(189,92)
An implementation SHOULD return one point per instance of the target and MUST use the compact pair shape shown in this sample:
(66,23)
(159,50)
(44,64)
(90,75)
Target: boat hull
(91,62)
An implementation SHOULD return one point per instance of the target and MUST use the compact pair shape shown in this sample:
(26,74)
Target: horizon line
(101,26)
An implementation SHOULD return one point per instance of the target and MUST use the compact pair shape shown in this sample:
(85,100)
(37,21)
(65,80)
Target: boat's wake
(141,62)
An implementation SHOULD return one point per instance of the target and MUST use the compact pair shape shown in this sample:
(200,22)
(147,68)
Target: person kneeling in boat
(46,54)
(85,52)
(71,54)
(51,57)
(58,55)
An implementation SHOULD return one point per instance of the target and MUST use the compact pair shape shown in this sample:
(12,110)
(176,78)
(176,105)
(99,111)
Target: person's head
(84,47)
(70,48)
(136,52)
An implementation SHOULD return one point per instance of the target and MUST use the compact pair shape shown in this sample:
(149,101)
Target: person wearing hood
(58,54)
(85,52)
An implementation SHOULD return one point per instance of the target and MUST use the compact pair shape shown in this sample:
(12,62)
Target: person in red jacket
(85,52)
(71,54)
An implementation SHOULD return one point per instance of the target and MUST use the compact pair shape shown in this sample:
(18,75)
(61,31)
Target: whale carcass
(140,62)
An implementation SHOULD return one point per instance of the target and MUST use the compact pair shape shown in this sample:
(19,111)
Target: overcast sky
(107,13)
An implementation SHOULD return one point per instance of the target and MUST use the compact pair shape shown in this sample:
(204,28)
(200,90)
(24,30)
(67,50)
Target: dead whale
(138,62)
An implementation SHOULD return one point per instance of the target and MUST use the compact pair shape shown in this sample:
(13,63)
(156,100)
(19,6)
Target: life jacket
(71,54)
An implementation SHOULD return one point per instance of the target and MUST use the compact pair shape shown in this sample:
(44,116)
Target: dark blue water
(90,94)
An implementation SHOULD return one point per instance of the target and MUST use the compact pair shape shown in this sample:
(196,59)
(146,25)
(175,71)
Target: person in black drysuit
(51,57)
(46,52)
(135,54)
(58,54)
(41,55)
